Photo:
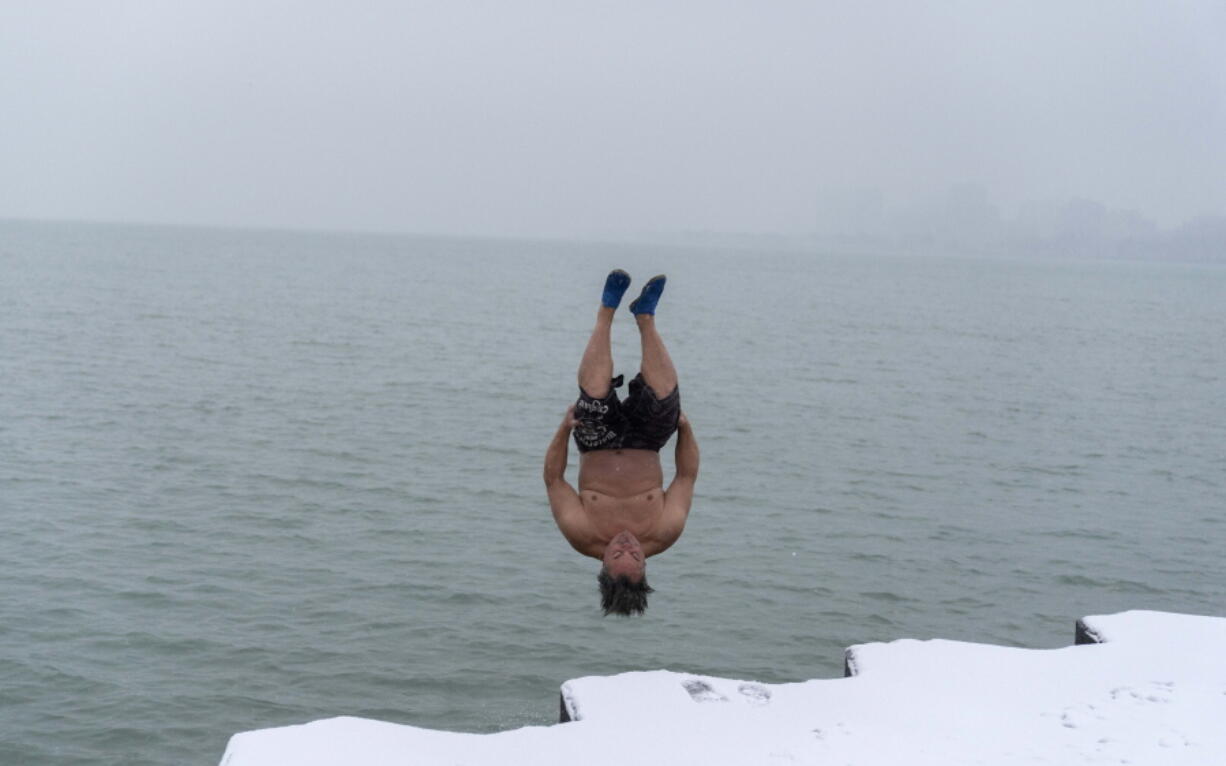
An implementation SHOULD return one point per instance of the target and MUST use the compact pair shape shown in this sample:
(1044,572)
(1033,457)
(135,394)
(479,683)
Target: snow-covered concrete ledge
(1150,688)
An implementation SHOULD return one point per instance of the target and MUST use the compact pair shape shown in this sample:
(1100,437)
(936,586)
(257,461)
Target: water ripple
(253,479)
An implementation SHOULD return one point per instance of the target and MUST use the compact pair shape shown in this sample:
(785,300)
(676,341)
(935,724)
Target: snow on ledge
(1152,692)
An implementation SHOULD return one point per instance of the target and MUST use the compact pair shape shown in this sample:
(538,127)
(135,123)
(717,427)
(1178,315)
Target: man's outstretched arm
(563,499)
(555,456)
(681,492)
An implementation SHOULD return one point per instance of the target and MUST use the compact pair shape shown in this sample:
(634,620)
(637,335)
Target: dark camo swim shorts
(642,421)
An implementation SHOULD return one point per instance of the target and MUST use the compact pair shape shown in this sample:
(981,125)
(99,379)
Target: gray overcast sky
(580,118)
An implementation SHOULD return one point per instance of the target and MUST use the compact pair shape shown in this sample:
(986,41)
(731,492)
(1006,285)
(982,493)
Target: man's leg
(657,367)
(596,367)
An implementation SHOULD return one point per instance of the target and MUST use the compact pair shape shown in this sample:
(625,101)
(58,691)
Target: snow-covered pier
(1139,688)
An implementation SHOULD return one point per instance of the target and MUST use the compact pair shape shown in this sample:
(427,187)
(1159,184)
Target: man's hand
(568,420)
(683,421)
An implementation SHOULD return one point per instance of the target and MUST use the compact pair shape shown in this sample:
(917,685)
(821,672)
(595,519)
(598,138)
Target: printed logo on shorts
(597,407)
(593,433)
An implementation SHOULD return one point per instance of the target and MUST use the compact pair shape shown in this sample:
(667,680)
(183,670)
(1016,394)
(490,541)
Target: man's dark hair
(621,595)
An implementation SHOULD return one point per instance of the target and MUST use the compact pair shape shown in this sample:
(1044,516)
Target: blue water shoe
(646,302)
(614,288)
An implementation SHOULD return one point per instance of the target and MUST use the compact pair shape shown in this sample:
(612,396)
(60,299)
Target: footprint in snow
(701,691)
(755,694)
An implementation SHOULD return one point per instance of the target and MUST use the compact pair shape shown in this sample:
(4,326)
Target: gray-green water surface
(254,479)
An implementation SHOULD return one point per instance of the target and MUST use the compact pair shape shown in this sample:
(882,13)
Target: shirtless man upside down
(622,514)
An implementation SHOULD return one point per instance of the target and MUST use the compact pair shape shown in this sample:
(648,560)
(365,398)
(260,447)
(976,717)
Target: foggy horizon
(600,121)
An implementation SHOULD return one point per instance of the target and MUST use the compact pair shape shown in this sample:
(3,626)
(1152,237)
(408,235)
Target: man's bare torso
(624,490)
(620,509)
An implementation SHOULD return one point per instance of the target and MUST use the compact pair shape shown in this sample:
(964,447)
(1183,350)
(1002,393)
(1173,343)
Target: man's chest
(610,515)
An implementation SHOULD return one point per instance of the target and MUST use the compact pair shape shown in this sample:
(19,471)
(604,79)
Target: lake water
(250,479)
